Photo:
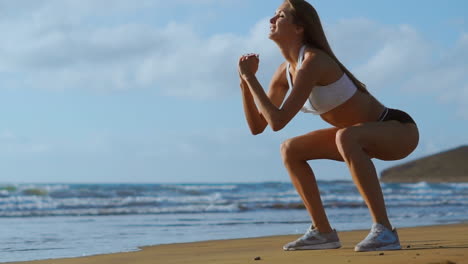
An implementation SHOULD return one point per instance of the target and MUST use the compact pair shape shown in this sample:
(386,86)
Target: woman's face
(281,24)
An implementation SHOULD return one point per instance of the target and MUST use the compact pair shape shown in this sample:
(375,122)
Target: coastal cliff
(446,166)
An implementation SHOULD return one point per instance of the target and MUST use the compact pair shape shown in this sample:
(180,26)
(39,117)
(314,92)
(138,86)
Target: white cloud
(379,54)
(400,58)
(397,59)
(68,45)
(58,49)
(445,77)
(64,52)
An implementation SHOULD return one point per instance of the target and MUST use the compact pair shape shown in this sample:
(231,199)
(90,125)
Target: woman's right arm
(276,93)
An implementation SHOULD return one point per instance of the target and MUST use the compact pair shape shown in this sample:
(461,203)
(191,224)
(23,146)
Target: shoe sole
(388,247)
(331,245)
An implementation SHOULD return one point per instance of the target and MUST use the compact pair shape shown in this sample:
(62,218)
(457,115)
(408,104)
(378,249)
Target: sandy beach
(431,244)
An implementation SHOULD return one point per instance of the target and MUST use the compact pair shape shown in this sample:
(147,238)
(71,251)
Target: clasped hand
(248,65)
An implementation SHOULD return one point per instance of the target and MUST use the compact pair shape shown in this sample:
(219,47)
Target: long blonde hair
(305,15)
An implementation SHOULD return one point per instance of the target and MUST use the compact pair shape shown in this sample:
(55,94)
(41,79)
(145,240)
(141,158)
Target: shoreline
(423,244)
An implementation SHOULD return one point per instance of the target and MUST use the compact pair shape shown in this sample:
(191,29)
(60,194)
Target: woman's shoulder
(317,56)
(321,61)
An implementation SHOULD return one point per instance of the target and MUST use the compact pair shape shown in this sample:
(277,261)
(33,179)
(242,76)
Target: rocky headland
(446,166)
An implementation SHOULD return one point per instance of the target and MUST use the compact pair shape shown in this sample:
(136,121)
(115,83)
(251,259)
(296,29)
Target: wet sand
(432,244)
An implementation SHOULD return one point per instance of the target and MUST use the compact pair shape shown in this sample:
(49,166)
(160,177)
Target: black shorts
(397,115)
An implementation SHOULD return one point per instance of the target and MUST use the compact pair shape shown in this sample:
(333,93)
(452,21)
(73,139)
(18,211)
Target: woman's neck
(290,52)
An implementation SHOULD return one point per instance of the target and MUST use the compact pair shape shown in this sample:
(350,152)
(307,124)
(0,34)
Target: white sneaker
(379,238)
(313,239)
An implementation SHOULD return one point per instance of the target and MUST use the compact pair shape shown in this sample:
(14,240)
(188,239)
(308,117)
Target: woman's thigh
(390,140)
(319,144)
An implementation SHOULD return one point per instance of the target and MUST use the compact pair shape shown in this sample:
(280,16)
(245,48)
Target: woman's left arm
(305,80)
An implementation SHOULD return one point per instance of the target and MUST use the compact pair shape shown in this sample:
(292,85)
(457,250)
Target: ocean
(43,221)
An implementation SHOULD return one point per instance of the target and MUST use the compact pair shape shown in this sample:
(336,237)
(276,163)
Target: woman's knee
(292,150)
(347,140)
(287,149)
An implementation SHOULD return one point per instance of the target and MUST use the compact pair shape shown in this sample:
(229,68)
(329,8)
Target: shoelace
(374,233)
(310,233)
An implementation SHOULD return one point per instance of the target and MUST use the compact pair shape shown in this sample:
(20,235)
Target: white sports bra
(324,98)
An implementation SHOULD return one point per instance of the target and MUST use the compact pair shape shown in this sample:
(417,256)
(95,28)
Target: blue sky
(147,91)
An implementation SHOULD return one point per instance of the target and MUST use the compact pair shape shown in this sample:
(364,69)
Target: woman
(313,80)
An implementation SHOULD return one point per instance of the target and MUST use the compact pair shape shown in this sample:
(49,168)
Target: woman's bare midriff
(360,108)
